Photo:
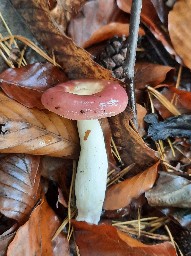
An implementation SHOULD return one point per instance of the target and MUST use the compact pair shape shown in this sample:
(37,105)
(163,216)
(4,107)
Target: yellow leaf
(37,132)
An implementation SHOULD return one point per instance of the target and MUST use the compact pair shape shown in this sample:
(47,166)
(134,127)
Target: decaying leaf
(131,147)
(150,74)
(179,27)
(62,11)
(19,185)
(180,98)
(33,131)
(27,83)
(109,242)
(34,237)
(75,61)
(121,195)
(170,191)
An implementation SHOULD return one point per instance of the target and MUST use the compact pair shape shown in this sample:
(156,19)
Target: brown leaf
(150,74)
(27,83)
(62,11)
(109,241)
(150,18)
(122,194)
(98,21)
(180,98)
(32,131)
(19,185)
(170,191)
(76,62)
(131,147)
(34,237)
(4,243)
(179,27)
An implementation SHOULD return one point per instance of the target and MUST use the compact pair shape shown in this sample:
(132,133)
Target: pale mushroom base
(91,177)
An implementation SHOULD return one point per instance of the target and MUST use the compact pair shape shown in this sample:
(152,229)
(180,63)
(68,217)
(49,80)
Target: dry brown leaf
(132,149)
(26,84)
(122,194)
(19,185)
(179,27)
(62,11)
(34,237)
(150,74)
(109,241)
(75,61)
(33,131)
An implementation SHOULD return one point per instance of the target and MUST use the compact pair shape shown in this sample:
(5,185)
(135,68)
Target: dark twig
(129,64)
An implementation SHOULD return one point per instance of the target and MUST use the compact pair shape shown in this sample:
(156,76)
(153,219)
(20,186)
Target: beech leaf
(121,195)
(37,132)
(170,191)
(34,237)
(109,242)
(75,61)
(19,185)
(26,84)
(179,29)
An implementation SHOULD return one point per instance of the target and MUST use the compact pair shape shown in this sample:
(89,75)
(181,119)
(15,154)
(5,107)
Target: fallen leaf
(19,185)
(150,74)
(132,149)
(179,27)
(109,241)
(32,131)
(98,21)
(75,61)
(170,191)
(181,99)
(122,194)
(27,83)
(35,236)
(62,11)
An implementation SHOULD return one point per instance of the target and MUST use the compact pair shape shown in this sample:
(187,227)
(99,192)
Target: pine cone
(114,56)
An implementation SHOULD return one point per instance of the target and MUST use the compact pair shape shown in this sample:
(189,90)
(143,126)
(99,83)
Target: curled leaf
(122,194)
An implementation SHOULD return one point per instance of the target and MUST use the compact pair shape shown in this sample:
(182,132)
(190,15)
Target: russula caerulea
(87,101)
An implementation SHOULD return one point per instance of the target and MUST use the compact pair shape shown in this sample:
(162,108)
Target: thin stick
(129,64)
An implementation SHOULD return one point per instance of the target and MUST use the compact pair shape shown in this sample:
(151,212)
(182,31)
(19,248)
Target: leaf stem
(129,64)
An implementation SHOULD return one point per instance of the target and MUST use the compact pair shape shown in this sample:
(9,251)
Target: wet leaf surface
(26,84)
(75,61)
(109,242)
(34,237)
(122,194)
(19,185)
(170,191)
(25,130)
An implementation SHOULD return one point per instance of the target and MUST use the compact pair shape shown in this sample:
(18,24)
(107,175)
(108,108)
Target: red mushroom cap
(86,99)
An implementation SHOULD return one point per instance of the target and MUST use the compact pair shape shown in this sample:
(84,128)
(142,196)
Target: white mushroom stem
(91,178)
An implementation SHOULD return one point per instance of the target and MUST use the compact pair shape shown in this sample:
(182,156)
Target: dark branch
(129,64)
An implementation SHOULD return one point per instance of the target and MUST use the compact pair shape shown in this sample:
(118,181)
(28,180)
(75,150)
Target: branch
(129,64)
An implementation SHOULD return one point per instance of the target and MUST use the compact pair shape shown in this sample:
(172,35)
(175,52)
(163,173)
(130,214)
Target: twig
(131,55)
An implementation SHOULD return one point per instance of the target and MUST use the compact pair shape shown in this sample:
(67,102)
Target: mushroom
(87,101)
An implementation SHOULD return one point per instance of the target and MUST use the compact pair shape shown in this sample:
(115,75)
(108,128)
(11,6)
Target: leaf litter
(137,154)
